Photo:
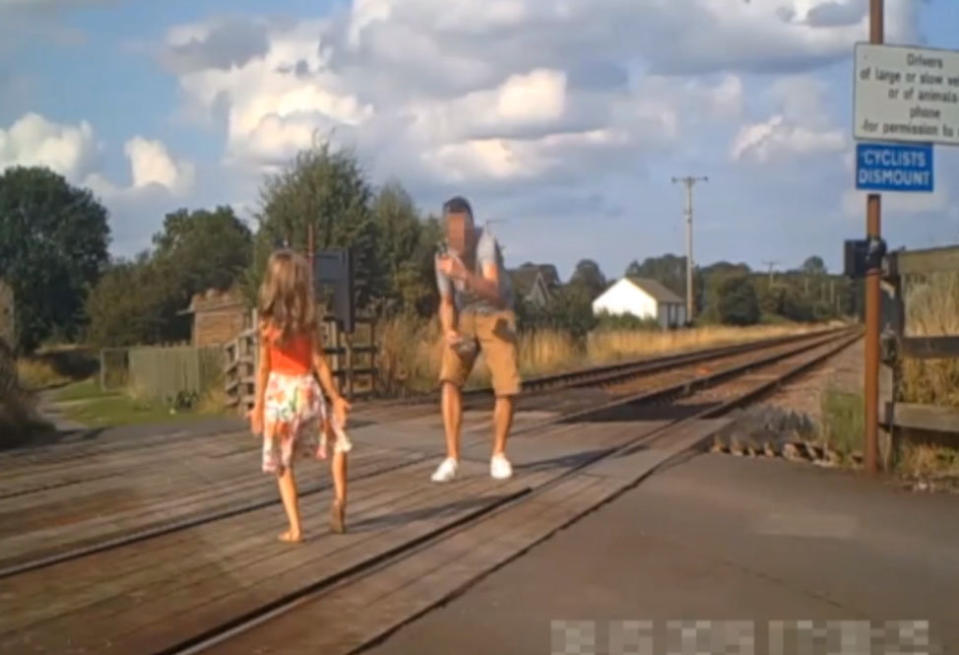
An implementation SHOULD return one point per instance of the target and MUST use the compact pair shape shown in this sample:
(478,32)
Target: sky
(563,121)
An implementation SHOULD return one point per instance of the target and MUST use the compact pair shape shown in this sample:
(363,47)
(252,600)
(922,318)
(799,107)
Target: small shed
(218,316)
(643,298)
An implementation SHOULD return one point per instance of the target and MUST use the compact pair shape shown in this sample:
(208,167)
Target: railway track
(736,376)
(631,386)
(612,373)
(66,454)
(725,391)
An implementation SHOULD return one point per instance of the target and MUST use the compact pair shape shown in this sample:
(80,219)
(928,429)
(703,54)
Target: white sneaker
(500,468)
(446,471)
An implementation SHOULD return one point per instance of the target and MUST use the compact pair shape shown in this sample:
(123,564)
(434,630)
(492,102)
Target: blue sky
(563,125)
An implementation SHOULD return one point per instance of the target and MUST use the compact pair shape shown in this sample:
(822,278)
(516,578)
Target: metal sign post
(902,94)
(874,236)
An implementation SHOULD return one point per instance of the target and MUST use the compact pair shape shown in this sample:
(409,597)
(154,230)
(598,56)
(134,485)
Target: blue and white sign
(887,167)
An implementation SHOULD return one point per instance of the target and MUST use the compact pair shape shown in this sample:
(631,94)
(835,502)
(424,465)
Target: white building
(643,298)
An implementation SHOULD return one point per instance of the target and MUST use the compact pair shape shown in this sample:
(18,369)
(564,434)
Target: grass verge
(86,404)
(843,421)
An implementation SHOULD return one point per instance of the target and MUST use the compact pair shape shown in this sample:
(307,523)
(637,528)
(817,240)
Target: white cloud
(777,138)
(150,163)
(800,127)
(73,151)
(537,96)
(136,209)
(472,77)
(515,101)
(35,141)
(222,43)
(515,159)
(674,35)
(274,101)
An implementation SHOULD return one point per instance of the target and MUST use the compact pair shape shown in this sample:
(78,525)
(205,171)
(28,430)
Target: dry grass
(56,366)
(18,418)
(928,461)
(612,346)
(213,400)
(39,374)
(932,309)
(409,355)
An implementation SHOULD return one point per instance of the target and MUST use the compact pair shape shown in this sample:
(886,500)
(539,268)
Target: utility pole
(689,182)
(873,234)
(770,265)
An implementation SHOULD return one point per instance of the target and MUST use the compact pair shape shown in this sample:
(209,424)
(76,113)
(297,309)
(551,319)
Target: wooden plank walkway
(120,489)
(155,594)
(148,596)
(116,508)
(364,609)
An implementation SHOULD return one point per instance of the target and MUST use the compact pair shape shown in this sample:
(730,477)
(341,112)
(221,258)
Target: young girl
(289,410)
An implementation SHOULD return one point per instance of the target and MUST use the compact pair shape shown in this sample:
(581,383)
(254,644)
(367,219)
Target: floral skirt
(295,422)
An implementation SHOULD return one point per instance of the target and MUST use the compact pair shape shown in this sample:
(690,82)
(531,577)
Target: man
(476,312)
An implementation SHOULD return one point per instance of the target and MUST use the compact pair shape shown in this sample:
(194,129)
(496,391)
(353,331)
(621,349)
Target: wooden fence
(162,373)
(352,360)
(907,271)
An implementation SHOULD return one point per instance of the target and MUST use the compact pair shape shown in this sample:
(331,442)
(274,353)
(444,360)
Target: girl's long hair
(286,295)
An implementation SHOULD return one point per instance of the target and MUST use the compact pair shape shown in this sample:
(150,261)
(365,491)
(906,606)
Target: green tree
(326,189)
(668,270)
(195,251)
(814,266)
(419,288)
(570,310)
(738,303)
(588,275)
(574,309)
(53,244)
(121,318)
(204,248)
(407,246)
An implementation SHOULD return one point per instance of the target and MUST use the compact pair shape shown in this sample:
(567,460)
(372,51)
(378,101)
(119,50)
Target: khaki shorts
(496,336)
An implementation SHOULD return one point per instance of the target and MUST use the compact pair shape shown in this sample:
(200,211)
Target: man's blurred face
(458,232)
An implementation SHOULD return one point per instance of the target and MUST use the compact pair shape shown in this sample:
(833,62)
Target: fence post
(349,366)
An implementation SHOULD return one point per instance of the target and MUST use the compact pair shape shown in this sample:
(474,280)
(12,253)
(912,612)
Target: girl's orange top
(294,357)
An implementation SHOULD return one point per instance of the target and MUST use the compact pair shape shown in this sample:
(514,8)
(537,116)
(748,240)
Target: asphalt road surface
(748,548)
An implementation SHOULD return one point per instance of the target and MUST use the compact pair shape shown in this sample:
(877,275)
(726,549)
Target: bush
(570,310)
(18,420)
(738,303)
(607,321)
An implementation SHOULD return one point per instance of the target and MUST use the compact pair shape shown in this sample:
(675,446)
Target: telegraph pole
(770,265)
(873,234)
(689,182)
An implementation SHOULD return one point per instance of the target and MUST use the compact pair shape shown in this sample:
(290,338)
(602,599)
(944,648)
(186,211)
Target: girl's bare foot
(337,523)
(291,537)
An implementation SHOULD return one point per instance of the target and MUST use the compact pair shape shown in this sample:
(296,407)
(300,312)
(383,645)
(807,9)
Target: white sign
(906,94)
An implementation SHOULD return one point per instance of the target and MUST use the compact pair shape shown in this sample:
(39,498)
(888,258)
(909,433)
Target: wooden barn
(218,316)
